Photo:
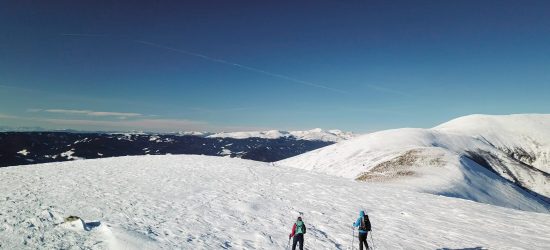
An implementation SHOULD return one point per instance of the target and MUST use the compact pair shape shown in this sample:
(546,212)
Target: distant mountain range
(20,148)
(309,135)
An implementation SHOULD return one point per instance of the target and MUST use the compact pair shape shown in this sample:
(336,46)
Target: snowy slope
(200,202)
(310,135)
(474,157)
(526,136)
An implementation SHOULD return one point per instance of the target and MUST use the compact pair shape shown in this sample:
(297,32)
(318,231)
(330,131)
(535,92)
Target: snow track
(198,202)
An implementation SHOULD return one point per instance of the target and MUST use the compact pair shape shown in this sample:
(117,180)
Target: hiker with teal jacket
(298,231)
(363,223)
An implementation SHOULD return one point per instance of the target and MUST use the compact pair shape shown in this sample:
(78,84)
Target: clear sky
(245,65)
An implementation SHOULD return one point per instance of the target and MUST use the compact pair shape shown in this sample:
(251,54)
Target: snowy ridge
(219,203)
(310,135)
(526,136)
(194,133)
(499,160)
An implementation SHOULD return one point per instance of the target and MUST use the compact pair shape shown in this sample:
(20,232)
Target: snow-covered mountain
(194,133)
(310,135)
(203,202)
(501,160)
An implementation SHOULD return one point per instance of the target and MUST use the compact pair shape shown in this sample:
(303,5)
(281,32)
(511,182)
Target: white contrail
(212,59)
(238,65)
(241,66)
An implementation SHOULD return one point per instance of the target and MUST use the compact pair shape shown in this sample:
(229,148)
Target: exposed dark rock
(520,154)
(402,165)
(497,165)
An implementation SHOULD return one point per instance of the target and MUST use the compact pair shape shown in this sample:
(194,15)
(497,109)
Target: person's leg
(294,241)
(366,242)
(301,239)
(362,238)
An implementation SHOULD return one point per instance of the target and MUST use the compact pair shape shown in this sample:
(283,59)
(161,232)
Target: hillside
(219,203)
(501,160)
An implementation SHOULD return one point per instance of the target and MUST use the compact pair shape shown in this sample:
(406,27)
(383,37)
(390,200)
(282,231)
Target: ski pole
(372,239)
(288,244)
(352,237)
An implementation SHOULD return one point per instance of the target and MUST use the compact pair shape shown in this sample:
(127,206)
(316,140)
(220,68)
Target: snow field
(199,202)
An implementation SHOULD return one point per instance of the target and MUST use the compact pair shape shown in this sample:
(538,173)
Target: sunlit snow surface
(439,160)
(308,135)
(200,202)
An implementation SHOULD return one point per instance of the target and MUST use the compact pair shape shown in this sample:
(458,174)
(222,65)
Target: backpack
(365,224)
(300,229)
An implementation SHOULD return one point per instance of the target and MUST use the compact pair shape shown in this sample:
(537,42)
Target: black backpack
(365,224)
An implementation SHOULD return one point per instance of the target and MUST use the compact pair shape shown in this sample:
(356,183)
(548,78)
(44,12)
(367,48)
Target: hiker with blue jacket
(363,223)
(298,231)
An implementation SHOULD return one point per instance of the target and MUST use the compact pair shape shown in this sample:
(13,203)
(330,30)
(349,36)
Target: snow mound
(218,203)
(23,152)
(310,135)
(69,154)
(500,160)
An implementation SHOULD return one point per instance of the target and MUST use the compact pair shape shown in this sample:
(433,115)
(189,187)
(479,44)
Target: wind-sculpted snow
(200,202)
(500,160)
(525,137)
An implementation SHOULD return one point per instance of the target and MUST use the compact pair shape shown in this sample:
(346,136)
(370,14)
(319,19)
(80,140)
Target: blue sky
(244,65)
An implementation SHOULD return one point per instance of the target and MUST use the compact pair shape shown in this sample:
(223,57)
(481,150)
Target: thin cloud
(139,123)
(222,110)
(3,116)
(68,98)
(16,88)
(163,125)
(91,113)
(34,110)
(95,113)
(153,124)
(68,111)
